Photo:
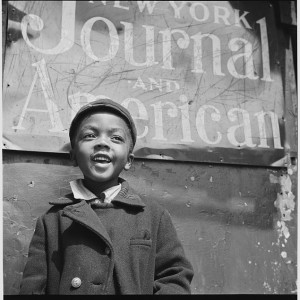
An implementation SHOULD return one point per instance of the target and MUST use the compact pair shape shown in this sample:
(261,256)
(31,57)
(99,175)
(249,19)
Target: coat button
(107,251)
(76,282)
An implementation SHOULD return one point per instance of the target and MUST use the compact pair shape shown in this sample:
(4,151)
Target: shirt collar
(81,192)
(126,196)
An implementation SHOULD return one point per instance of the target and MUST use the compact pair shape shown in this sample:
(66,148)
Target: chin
(100,179)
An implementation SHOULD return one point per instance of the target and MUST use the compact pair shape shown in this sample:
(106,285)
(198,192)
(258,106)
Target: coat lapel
(82,213)
(126,196)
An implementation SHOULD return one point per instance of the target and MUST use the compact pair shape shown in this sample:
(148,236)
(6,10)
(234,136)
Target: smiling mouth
(101,158)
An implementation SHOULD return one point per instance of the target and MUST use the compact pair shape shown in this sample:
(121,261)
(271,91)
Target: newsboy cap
(103,105)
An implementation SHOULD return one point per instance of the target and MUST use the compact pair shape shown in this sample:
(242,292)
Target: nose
(102,142)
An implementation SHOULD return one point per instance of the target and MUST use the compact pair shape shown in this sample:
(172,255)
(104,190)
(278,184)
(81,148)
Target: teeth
(100,158)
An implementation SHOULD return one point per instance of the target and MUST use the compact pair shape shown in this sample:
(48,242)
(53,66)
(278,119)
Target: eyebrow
(111,130)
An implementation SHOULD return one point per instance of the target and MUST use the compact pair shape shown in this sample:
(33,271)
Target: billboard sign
(201,78)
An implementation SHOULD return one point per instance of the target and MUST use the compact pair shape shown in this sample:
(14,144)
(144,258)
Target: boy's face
(101,148)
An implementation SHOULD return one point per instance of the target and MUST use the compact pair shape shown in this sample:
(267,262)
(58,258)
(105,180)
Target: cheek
(81,155)
(83,164)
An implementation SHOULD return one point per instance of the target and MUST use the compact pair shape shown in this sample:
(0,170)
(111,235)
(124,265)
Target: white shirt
(81,192)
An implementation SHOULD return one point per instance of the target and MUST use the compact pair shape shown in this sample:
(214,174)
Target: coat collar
(81,212)
(125,196)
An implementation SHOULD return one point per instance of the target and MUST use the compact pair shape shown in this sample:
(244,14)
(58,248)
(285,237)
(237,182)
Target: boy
(103,238)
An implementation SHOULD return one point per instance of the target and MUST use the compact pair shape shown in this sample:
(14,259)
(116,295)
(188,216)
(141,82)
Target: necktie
(97,201)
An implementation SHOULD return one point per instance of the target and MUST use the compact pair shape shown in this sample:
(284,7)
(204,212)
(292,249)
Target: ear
(129,162)
(73,158)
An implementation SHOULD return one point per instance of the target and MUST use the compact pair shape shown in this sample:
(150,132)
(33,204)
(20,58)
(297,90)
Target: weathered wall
(237,224)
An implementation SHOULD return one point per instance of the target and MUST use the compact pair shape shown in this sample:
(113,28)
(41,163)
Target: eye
(88,135)
(117,138)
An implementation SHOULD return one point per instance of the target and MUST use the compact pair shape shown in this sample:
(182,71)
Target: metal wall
(237,224)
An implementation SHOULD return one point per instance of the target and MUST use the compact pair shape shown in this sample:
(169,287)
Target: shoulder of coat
(153,204)
(65,200)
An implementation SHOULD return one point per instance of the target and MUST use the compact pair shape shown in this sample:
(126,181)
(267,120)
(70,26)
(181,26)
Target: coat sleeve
(173,272)
(35,273)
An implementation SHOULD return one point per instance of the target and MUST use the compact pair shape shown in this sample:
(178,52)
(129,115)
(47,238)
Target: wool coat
(129,246)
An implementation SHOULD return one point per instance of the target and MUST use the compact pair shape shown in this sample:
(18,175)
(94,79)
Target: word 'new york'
(199,11)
